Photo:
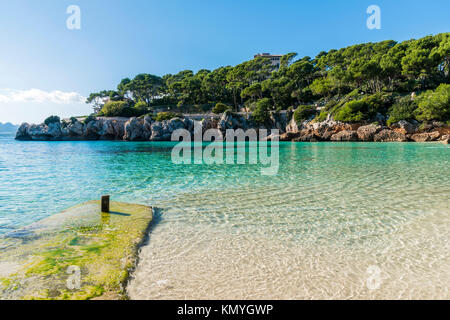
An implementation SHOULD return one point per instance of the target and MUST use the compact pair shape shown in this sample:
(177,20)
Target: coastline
(147,129)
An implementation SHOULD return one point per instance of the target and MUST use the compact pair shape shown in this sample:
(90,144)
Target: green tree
(322,87)
(144,87)
(362,73)
(123,86)
(303,113)
(214,86)
(261,114)
(403,109)
(220,108)
(254,91)
(286,59)
(98,99)
(434,104)
(247,74)
(280,89)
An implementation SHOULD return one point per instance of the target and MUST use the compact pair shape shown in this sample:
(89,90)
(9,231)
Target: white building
(275,58)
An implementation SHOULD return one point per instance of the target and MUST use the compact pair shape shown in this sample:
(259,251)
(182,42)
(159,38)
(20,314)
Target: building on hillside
(275,58)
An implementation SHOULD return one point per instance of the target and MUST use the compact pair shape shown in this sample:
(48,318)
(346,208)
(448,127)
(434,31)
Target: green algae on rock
(80,253)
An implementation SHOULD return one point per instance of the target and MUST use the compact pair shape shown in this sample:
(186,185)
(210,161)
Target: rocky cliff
(137,129)
(146,129)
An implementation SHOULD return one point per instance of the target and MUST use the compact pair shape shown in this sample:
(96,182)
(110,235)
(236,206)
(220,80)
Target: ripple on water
(225,231)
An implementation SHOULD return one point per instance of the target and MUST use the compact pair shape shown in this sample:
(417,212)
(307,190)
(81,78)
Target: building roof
(267,55)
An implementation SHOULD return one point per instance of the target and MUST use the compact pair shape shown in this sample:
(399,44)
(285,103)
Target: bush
(361,109)
(73,120)
(323,115)
(167,116)
(122,109)
(261,113)
(403,109)
(52,119)
(434,105)
(352,111)
(113,109)
(140,108)
(220,108)
(377,103)
(89,119)
(303,113)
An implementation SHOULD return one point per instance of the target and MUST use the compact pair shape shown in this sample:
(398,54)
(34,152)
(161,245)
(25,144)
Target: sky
(48,69)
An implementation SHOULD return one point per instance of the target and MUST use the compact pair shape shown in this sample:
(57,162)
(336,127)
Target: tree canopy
(341,81)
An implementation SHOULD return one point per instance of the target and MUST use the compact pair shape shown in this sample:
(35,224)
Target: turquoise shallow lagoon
(226,231)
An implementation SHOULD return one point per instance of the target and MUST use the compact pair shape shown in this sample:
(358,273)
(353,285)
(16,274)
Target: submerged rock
(102,246)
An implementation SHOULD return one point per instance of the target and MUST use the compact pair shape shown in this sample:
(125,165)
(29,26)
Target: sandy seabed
(196,262)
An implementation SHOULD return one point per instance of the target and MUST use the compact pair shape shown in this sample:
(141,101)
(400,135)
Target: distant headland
(8,127)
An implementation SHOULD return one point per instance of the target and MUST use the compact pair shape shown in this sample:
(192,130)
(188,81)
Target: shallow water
(332,215)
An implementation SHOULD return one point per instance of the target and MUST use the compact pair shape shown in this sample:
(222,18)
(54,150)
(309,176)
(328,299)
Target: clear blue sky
(123,38)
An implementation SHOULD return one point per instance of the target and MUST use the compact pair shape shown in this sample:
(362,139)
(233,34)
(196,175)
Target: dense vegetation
(51,119)
(408,80)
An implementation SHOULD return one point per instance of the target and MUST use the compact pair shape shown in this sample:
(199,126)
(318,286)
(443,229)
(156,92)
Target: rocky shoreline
(146,129)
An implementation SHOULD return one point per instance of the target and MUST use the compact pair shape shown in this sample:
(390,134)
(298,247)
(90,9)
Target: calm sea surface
(339,220)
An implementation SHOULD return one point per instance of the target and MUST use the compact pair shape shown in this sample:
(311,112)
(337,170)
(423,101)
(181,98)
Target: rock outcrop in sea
(147,129)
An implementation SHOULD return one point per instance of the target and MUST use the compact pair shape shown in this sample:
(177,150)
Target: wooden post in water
(105,204)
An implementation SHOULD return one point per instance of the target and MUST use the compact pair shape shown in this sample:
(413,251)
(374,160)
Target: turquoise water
(337,202)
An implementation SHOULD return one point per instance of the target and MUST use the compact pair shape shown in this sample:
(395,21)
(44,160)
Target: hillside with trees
(8,127)
(367,82)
